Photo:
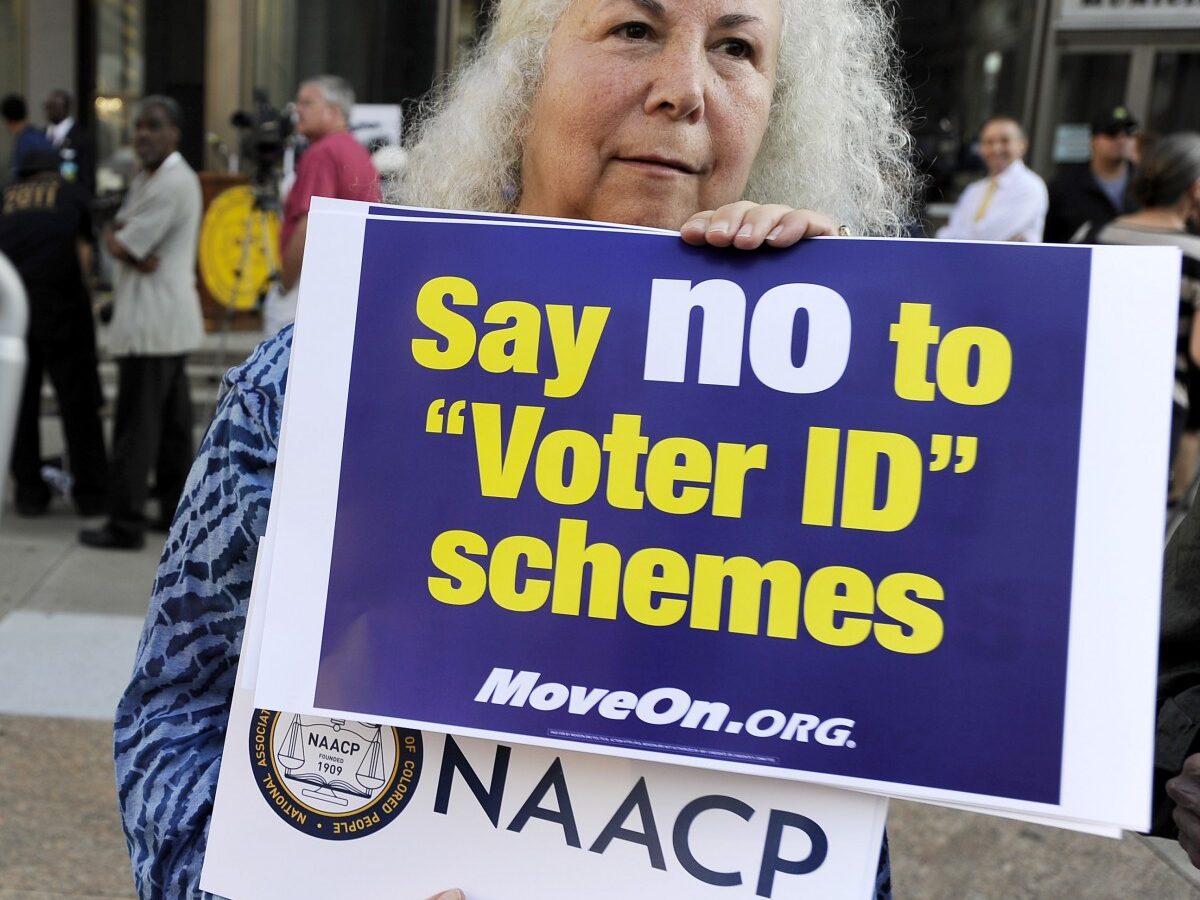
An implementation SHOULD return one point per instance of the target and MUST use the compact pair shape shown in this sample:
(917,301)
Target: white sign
(316,807)
(1072,143)
(312,807)
(1129,14)
(1113,609)
(376,123)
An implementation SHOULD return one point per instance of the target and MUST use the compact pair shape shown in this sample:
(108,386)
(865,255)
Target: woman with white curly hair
(725,119)
(799,107)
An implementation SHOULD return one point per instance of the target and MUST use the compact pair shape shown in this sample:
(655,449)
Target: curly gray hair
(835,140)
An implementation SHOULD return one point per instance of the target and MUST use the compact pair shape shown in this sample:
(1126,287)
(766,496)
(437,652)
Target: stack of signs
(875,515)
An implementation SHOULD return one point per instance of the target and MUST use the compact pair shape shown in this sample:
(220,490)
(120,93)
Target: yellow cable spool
(234,260)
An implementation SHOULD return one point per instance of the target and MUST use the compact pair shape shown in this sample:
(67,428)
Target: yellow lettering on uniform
(839,592)
(913,335)
(470,575)
(820,475)
(902,493)
(729,483)
(573,352)
(550,471)
(515,348)
(502,465)
(572,553)
(923,625)
(675,460)
(503,573)
(746,577)
(455,328)
(652,571)
(995,365)
(625,444)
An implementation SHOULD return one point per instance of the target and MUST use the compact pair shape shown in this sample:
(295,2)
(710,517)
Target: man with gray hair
(334,165)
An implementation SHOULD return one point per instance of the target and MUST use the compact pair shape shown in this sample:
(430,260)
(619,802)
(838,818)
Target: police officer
(46,230)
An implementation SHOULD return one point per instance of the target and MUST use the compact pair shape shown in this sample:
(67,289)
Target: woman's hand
(1184,789)
(747,225)
(454,894)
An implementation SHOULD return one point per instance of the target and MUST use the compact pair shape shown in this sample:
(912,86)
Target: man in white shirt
(156,323)
(1010,204)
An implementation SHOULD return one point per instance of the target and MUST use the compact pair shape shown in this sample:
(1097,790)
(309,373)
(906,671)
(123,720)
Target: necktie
(987,200)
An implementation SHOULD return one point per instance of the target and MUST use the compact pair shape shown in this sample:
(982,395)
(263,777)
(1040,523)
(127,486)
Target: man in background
(334,165)
(26,138)
(46,230)
(1008,205)
(1098,192)
(74,144)
(156,322)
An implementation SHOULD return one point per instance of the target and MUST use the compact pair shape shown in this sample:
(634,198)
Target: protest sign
(508,821)
(315,807)
(881,514)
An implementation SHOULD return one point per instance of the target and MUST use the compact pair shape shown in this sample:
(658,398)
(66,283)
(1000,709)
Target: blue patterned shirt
(170,724)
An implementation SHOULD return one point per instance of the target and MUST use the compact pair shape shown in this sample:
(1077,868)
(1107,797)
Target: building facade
(1050,63)
(1142,54)
(211,55)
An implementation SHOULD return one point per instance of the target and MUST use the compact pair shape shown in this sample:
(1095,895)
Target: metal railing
(14,319)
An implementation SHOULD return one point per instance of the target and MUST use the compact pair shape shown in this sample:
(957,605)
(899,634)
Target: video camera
(264,132)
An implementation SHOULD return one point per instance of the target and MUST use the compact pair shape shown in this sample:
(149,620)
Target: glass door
(1175,92)
(1088,82)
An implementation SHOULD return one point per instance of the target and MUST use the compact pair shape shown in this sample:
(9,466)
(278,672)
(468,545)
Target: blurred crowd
(49,231)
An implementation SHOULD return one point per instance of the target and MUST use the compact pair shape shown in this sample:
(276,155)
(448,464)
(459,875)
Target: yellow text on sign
(513,344)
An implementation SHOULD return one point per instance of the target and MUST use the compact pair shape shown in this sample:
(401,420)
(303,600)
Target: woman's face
(651,110)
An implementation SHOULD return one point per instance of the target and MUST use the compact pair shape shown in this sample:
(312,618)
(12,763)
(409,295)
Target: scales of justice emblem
(337,758)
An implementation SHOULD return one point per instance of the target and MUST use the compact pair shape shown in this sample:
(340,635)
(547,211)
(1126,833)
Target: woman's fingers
(718,227)
(759,222)
(454,894)
(727,222)
(798,224)
(747,226)
(694,230)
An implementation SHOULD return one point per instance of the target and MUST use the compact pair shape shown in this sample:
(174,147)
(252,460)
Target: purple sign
(810,509)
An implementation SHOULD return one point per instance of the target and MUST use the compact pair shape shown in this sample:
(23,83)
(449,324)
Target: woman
(1167,185)
(686,114)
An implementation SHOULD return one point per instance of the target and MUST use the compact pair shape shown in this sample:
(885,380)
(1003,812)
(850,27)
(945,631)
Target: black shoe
(108,538)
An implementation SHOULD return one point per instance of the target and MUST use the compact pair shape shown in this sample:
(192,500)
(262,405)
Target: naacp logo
(333,778)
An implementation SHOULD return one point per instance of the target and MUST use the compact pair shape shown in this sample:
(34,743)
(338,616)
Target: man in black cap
(46,230)
(1098,192)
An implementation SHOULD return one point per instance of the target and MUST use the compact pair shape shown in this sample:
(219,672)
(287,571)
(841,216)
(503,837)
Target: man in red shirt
(334,165)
